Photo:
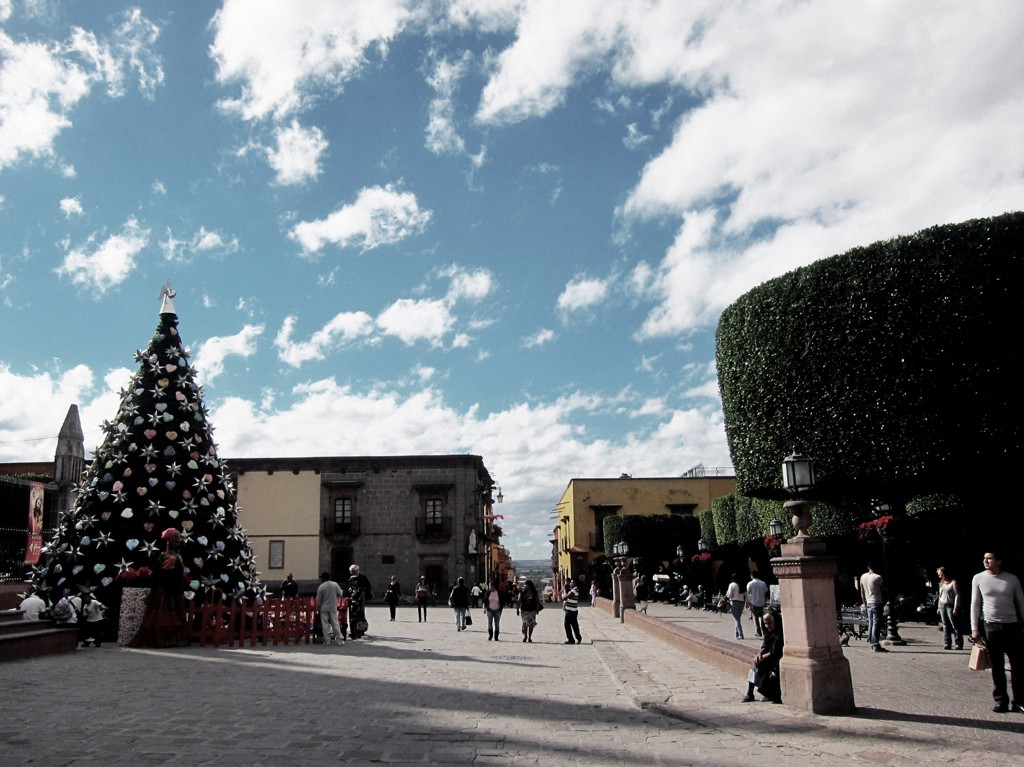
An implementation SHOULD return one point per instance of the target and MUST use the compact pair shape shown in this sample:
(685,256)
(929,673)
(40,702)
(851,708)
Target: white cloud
(822,132)
(71,206)
(41,83)
(101,265)
(556,43)
(37,85)
(343,328)
(413,320)
(541,337)
(379,216)
(441,134)
(209,359)
(473,285)
(635,138)
(296,159)
(283,53)
(582,293)
(203,243)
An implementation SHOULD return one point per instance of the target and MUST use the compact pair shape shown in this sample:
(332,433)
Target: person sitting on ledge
(764,672)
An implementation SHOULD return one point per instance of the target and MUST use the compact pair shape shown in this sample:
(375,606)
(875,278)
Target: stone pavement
(424,694)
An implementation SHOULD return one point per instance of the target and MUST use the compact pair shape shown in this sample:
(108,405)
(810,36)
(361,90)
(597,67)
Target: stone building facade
(392,515)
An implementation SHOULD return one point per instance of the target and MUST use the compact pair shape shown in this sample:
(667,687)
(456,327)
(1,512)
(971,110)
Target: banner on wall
(34,544)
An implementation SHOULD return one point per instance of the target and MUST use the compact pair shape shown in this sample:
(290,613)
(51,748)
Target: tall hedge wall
(893,365)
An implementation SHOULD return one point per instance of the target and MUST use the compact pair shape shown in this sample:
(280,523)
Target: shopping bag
(469,619)
(979,658)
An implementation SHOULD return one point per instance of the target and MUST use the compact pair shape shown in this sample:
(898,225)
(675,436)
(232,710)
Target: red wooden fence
(276,621)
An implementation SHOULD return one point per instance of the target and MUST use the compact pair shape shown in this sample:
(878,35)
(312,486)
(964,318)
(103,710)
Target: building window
(276,555)
(433,511)
(343,513)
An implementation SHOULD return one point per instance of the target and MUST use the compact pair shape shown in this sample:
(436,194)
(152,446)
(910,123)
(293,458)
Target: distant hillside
(532,564)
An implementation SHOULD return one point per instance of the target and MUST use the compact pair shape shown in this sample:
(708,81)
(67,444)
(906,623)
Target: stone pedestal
(814,672)
(627,601)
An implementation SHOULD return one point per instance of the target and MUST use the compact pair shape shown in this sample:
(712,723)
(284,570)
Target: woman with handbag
(764,672)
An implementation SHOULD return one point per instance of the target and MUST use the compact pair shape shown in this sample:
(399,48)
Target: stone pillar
(626,599)
(814,672)
(616,602)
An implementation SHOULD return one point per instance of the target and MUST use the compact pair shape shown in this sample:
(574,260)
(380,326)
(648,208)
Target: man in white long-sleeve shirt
(997,617)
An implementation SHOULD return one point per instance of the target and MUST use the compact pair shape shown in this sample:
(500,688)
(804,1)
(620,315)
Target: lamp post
(892,629)
(622,579)
(815,674)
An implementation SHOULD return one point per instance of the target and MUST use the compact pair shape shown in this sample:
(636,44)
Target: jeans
(950,628)
(758,613)
(460,618)
(421,608)
(493,622)
(329,621)
(572,626)
(1006,640)
(737,605)
(875,619)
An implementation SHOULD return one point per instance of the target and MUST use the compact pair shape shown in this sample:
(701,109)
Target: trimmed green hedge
(893,366)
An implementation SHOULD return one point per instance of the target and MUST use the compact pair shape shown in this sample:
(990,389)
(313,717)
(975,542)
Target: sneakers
(878,648)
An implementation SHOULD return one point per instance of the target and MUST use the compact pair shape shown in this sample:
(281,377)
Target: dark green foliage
(707,527)
(893,366)
(653,537)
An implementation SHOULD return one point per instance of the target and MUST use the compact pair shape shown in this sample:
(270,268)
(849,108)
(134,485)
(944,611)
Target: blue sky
(487,226)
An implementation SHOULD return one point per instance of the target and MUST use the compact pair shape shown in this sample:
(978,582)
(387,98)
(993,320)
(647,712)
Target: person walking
(764,672)
(493,604)
(757,598)
(422,597)
(474,594)
(737,601)
(327,595)
(90,628)
(872,594)
(997,619)
(949,610)
(289,588)
(458,600)
(641,592)
(595,592)
(529,607)
(571,612)
(392,594)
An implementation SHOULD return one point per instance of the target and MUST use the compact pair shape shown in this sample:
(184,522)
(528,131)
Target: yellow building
(583,507)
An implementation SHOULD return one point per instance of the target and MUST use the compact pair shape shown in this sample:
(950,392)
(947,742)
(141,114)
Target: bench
(852,623)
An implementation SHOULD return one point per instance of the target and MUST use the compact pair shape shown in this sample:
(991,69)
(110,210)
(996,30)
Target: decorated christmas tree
(157,469)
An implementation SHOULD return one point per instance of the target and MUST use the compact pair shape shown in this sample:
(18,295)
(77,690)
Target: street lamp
(500,497)
(797,473)
(679,551)
(702,546)
(776,528)
(797,478)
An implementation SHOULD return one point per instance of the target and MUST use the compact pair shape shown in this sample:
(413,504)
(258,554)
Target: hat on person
(170,533)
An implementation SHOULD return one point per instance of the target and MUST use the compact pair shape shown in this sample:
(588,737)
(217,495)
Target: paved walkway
(422,693)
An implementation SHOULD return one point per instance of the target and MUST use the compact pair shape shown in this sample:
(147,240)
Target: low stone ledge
(720,653)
